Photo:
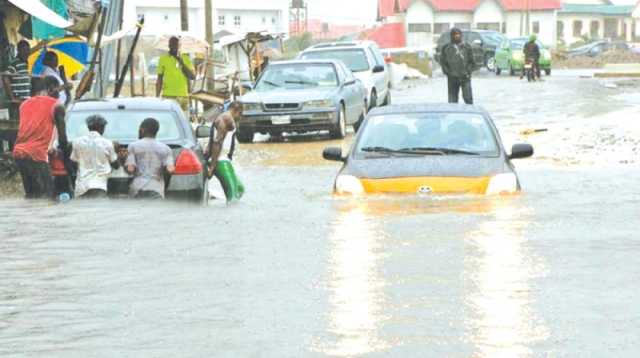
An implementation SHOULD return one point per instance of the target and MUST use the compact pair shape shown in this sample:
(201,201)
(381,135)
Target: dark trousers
(36,179)
(455,85)
(94,194)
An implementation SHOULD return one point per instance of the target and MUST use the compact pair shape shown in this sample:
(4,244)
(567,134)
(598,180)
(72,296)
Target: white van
(365,60)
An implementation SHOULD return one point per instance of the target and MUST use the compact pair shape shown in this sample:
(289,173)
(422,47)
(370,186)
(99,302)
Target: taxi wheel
(339,130)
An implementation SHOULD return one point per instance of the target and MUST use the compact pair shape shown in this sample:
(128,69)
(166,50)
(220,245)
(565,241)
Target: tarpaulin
(42,30)
(42,12)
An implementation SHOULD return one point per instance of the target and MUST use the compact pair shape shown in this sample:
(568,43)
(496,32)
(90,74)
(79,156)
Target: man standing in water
(38,117)
(223,138)
(457,64)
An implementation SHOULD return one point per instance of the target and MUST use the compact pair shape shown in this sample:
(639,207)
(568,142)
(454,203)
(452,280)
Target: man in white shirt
(96,157)
(50,68)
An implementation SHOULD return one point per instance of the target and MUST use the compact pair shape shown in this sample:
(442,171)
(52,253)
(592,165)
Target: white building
(237,16)
(425,20)
(595,19)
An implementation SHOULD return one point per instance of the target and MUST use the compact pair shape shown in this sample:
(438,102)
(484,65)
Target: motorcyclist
(532,54)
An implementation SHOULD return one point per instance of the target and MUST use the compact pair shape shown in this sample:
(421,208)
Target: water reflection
(355,285)
(501,321)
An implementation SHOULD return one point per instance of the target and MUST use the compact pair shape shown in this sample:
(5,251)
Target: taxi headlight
(348,184)
(518,56)
(505,183)
(319,103)
(250,107)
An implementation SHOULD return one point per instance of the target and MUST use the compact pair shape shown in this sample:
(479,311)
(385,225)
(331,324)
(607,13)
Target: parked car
(366,62)
(124,116)
(428,149)
(597,48)
(483,43)
(302,96)
(510,56)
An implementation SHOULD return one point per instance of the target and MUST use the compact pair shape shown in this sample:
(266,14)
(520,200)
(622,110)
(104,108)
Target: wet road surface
(291,271)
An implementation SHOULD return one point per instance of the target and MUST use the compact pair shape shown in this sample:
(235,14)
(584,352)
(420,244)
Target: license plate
(280,120)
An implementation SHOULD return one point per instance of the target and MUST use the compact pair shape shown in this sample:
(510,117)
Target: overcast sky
(343,11)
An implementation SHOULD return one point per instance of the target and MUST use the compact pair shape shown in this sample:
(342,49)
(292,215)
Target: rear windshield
(355,59)
(123,125)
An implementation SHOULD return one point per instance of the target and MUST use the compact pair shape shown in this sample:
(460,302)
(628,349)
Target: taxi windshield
(428,133)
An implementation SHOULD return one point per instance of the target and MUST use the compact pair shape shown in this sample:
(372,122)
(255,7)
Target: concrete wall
(547,32)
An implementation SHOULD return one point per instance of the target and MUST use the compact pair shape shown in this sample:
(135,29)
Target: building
(321,30)
(595,19)
(425,20)
(554,21)
(163,16)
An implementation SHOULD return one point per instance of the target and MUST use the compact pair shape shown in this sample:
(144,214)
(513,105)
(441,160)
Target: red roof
(390,7)
(389,36)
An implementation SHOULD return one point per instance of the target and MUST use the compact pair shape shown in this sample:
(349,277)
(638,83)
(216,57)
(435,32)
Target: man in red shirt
(38,116)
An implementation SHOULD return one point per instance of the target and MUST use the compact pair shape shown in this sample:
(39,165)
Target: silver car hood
(288,95)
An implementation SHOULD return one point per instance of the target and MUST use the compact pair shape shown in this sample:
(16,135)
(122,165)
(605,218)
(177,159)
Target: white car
(366,62)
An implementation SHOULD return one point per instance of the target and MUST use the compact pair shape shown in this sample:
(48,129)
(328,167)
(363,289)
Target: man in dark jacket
(532,53)
(457,64)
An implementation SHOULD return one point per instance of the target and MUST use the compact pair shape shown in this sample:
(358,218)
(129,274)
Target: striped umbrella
(73,54)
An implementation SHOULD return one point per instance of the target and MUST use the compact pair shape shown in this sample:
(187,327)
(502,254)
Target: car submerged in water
(123,116)
(428,149)
(302,96)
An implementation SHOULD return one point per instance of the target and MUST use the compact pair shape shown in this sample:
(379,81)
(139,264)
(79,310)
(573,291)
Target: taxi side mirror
(519,151)
(333,154)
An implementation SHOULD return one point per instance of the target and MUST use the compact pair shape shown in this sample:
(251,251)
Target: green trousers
(231,184)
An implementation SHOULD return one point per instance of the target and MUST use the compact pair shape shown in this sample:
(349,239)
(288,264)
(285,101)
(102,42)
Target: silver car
(302,96)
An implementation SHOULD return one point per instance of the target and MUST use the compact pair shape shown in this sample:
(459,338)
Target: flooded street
(291,271)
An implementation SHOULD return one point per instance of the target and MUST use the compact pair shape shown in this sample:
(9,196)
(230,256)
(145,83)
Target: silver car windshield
(429,133)
(123,125)
(355,59)
(298,76)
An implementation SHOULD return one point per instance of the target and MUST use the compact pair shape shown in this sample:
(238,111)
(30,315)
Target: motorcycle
(530,70)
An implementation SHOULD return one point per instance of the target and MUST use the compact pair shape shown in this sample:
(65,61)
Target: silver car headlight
(502,184)
(323,103)
(251,107)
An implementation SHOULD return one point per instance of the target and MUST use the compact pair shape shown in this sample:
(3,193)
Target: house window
(577,28)
(594,29)
(237,20)
(441,27)
(504,27)
(463,25)
(166,17)
(494,26)
(221,20)
(264,20)
(273,20)
(419,27)
(560,27)
(535,27)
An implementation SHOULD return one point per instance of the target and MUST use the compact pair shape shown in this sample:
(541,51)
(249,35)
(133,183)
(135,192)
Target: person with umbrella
(175,70)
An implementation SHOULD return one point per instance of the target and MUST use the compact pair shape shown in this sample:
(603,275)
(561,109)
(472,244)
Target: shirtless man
(223,139)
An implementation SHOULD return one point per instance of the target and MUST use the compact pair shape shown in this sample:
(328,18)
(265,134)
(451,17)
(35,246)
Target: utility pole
(208,33)
(184,15)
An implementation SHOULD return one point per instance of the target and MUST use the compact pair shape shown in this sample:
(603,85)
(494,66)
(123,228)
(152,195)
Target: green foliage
(296,44)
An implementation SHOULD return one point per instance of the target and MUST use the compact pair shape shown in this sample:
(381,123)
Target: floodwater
(291,271)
